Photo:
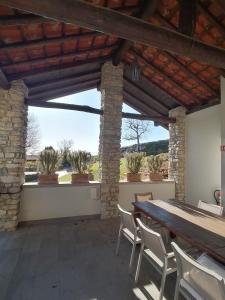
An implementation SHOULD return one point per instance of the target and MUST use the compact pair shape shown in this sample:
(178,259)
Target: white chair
(129,230)
(153,248)
(195,279)
(215,209)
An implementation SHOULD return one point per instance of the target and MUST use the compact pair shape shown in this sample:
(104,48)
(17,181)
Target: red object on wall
(222,147)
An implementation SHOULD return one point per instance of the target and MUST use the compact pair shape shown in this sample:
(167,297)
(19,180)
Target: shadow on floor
(73,261)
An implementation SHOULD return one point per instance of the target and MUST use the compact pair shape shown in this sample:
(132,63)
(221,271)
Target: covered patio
(166,60)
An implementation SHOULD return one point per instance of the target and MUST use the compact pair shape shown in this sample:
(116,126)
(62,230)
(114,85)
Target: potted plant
(79,161)
(134,164)
(48,160)
(154,165)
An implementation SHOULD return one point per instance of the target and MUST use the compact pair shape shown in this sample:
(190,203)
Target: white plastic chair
(215,209)
(153,248)
(196,280)
(129,230)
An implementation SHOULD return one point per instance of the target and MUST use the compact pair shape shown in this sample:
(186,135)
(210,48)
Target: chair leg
(118,240)
(177,289)
(139,263)
(132,257)
(162,285)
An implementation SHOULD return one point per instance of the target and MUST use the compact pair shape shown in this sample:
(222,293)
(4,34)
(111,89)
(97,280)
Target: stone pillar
(13,119)
(177,151)
(110,135)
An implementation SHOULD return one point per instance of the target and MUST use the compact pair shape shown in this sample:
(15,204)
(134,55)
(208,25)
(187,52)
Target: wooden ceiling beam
(47,59)
(4,83)
(161,73)
(65,81)
(147,108)
(148,9)
(30,19)
(143,93)
(106,20)
(59,92)
(46,42)
(187,16)
(59,70)
(88,109)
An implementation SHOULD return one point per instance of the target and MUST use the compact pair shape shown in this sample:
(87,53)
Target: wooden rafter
(138,102)
(46,42)
(30,19)
(62,82)
(203,9)
(93,110)
(143,93)
(64,56)
(59,92)
(106,20)
(59,70)
(161,73)
(148,9)
(187,16)
(181,66)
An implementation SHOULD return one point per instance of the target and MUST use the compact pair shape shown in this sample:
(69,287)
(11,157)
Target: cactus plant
(79,161)
(134,164)
(48,159)
(154,166)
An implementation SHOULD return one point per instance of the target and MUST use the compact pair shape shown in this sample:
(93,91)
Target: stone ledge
(94,183)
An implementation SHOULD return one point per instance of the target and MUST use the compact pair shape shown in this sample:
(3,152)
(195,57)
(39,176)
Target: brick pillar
(177,151)
(13,118)
(110,135)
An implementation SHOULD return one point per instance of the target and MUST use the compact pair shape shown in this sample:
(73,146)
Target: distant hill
(151,148)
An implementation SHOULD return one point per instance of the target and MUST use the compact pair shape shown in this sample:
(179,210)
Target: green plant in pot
(79,161)
(134,163)
(154,165)
(48,162)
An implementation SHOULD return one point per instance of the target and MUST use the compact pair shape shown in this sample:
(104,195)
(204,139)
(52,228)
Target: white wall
(67,200)
(203,157)
(162,191)
(59,201)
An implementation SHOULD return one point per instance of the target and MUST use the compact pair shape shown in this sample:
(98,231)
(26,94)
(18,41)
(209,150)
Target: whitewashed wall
(68,201)
(203,157)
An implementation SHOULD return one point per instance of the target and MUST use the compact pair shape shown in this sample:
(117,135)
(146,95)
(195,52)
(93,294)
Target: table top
(201,229)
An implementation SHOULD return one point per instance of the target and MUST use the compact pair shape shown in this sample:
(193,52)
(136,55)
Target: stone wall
(177,151)
(110,135)
(13,118)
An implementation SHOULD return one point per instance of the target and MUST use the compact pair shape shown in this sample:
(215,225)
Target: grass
(65,178)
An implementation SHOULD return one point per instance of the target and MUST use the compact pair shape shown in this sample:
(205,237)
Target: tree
(65,147)
(135,130)
(32,135)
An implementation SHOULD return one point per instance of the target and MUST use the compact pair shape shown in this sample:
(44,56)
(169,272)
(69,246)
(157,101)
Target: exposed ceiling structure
(56,58)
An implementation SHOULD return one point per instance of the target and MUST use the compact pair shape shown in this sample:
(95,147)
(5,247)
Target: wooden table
(201,229)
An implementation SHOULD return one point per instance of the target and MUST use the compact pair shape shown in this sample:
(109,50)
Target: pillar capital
(178,112)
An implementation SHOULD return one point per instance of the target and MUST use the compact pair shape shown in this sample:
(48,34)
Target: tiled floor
(73,261)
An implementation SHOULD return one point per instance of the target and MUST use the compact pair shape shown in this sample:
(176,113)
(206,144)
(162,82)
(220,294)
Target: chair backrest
(143,196)
(215,209)
(127,219)
(152,240)
(208,284)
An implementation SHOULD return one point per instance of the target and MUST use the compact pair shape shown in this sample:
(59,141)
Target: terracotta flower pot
(133,177)
(79,178)
(48,179)
(155,176)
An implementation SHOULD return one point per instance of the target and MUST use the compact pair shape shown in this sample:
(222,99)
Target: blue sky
(83,128)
